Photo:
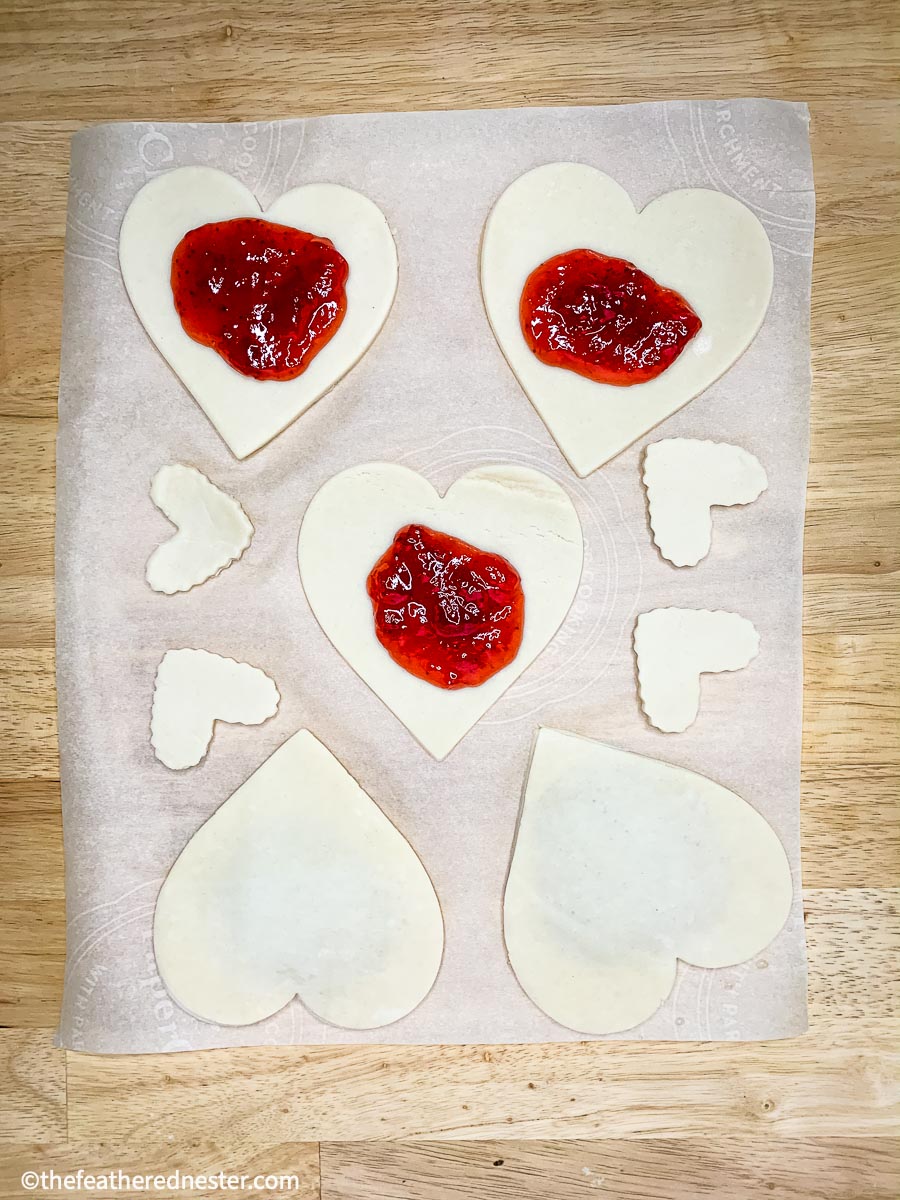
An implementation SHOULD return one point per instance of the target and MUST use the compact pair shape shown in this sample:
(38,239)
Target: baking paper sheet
(435,393)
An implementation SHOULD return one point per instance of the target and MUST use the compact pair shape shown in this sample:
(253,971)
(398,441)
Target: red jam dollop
(266,297)
(604,318)
(446,611)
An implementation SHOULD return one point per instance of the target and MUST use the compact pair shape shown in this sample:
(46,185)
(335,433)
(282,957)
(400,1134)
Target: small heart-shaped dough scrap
(213,530)
(193,690)
(684,478)
(622,865)
(299,885)
(706,246)
(249,412)
(674,647)
(513,511)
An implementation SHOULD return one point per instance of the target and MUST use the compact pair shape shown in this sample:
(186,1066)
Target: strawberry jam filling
(446,611)
(266,297)
(604,318)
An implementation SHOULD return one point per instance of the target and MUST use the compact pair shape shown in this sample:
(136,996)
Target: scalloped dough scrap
(299,885)
(622,866)
(505,509)
(674,646)
(248,412)
(684,478)
(213,531)
(704,244)
(193,690)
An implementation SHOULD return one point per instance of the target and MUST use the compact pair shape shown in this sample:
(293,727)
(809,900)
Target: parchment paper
(434,392)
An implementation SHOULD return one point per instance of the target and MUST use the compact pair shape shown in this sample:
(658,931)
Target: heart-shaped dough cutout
(684,478)
(509,510)
(674,647)
(193,690)
(298,885)
(250,412)
(623,865)
(705,245)
(213,530)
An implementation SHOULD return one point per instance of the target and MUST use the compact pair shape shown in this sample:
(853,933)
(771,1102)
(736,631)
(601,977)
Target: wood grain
(842,1082)
(32,1088)
(800,1118)
(297,1160)
(26,540)
(32,905)
(218,63)
(649,1169)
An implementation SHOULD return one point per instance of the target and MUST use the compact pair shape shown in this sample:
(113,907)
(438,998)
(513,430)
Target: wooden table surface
(814,1116)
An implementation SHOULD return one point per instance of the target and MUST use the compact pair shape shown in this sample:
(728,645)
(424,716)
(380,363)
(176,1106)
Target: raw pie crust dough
(509,510)
(705,245)
(674,646)
(213,530)
(684,478)
(250,412)
(298,885)
(623,865)
(193,690)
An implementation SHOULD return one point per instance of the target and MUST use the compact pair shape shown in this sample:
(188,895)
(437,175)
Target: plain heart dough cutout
(250,412)
(508,510)
(674,646)
(299,885)
(213,530)
(623,865)
(684,478)
(705,245)
(193,690)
